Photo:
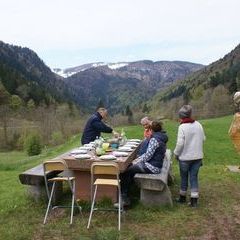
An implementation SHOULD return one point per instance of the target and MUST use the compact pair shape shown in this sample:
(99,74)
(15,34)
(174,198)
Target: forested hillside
(209,90)
(121,84)
(33,100)
(24,74)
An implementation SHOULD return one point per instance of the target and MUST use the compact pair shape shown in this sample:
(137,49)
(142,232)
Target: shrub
(32,144)
(57,138)
(13,143)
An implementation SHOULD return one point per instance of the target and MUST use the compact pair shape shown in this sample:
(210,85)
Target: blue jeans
(189,169)
(127,177)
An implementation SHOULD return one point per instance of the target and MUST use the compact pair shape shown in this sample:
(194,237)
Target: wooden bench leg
(38,192)
(156,198)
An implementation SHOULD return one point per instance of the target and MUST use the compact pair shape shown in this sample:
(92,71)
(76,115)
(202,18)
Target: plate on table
(82,156)
(88,148)
(120,154)
(91,145)
(135,144)
(130,145)
(108,157)
(134,140)
(125,149)
(78,151)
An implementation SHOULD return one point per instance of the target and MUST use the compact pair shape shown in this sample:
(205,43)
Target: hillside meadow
(218,215)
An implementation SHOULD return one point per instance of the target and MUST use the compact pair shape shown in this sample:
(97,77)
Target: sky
(68,33)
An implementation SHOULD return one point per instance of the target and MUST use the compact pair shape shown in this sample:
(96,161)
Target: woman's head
(156,126)
(145,122)
(185,111)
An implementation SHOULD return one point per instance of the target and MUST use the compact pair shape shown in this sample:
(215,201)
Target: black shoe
(194,202)
(125,203)
(181,199)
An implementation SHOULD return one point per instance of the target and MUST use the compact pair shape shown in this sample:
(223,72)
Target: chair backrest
(106,168)
(59,165)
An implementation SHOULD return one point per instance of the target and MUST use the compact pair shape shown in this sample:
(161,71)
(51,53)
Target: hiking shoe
(181,199)
(125,203)
(194,202)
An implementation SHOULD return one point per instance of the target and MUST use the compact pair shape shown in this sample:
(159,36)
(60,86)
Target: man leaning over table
(95,126)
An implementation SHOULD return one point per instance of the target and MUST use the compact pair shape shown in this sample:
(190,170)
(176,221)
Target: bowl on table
(114,145)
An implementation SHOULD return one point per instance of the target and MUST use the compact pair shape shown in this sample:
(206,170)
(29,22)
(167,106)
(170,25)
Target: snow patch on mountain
(70,71)
(117,65)
(63,73)
(98,64)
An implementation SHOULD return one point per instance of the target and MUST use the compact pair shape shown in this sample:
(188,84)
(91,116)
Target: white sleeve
(204,136)
(180,142)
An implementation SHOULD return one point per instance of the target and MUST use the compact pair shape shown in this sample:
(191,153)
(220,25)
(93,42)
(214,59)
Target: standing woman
(189,153)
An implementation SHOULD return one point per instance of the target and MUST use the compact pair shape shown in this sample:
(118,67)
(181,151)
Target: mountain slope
(209,89)
(122,84)
(23,73)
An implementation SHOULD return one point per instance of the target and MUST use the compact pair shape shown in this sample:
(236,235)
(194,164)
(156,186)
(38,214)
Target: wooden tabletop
(85,164)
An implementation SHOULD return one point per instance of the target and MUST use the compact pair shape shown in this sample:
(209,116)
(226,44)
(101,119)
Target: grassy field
(218,216)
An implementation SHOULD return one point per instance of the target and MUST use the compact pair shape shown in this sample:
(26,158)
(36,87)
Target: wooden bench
(154,187)
(34,178)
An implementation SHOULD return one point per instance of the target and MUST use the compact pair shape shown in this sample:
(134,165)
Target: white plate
(129,146)
(120,154)
(86,148)
(108,157)
(134,140)
(82,156)
(91,145)
(78,151)
(125,149)
(135,144)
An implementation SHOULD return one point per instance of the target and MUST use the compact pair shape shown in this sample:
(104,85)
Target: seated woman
(149,162)
(146,123)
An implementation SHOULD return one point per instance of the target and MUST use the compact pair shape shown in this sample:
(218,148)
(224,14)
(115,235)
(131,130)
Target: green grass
(218,216)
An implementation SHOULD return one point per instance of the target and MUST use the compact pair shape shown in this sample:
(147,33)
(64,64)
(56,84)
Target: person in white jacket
(189,153)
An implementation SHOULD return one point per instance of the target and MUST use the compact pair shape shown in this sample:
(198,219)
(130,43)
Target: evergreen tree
(129,114)
(145,108)
(238,81)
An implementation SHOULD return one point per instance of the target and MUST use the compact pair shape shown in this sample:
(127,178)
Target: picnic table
(82,168)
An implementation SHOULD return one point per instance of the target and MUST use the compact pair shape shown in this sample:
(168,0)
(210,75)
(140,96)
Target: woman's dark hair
(156,126)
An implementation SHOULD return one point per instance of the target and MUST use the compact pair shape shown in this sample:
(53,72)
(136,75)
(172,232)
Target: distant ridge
(124,83)
(117,85)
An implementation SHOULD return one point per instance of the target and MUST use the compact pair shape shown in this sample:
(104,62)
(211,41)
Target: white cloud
(78,25)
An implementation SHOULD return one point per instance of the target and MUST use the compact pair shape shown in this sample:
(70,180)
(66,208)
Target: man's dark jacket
(93,128)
